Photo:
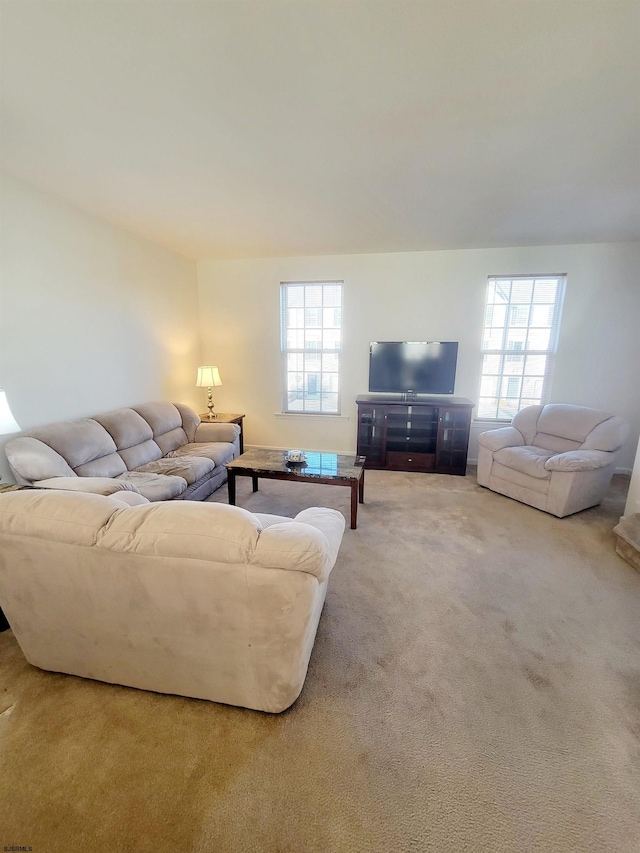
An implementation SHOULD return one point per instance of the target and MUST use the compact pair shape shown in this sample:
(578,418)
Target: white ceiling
(253,129)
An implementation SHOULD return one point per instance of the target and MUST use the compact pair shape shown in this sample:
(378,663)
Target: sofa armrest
(217,432)
(308,543)
(93,485)
(497,439)
(329,521)
(579,460)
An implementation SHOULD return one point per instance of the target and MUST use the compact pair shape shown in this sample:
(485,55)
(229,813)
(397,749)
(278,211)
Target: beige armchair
(558,458)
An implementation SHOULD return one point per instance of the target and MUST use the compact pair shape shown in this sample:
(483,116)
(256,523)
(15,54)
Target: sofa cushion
(166,422)
(126,427)
(132,435)
(155,487)
(219,452)
(79,442)
(31,460)
(71,517)
(190,421)
(190,468)
(104,466)
(528,460)
(188,529)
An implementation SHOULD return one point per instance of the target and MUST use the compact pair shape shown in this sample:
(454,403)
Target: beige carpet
(475,686)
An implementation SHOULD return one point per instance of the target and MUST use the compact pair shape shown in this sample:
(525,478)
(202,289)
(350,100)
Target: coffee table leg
(231,483)
(361,487)
(354,504)
(254,480)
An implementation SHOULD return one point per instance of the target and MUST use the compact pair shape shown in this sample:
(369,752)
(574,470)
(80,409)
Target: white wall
(633,498)
(418,296)
(91,317)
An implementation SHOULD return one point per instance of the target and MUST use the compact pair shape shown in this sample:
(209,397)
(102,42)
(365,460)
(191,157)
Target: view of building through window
(311,344)
(521,325)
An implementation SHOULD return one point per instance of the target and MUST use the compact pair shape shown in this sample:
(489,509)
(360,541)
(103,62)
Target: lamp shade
(8,423)
(208,377)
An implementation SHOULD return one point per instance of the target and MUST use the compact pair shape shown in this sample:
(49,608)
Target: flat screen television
(413,367)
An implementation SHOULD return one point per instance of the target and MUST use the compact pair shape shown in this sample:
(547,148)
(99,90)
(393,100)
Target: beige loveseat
(160,451)
(198,599)
(558,458)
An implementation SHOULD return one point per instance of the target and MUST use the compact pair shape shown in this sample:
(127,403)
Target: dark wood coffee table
(334,469)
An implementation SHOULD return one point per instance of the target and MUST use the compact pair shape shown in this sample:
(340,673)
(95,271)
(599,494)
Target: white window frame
(310,350)
(512,354)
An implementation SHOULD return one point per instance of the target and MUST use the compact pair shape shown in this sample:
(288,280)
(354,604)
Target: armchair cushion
(579,460)
(528,460)
(567,421)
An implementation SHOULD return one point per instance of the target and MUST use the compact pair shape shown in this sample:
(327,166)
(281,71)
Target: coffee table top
(341,466)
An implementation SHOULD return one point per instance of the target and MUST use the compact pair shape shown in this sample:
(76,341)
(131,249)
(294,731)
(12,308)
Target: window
(521,325)
(311,329)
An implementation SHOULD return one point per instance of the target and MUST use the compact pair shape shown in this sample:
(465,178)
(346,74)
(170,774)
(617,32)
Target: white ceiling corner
(268,128)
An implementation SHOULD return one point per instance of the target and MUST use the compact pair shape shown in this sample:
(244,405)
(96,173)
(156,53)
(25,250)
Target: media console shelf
(428,434)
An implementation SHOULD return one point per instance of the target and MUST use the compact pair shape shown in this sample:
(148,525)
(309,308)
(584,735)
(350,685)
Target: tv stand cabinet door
(454,425)
(372,434)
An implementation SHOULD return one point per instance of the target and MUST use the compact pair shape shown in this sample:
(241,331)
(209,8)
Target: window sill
(310,416)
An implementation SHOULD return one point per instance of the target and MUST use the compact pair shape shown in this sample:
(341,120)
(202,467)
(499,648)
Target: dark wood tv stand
(427,434)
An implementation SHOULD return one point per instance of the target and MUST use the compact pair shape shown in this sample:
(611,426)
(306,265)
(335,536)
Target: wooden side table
(226,418)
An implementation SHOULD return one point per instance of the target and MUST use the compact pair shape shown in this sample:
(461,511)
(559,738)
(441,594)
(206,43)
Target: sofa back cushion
(85,445)
(554,442)
(166,424)
(132,436)
(70,517)
(562,427)
(570,422)
(187,529)
(32,460)
(610,435)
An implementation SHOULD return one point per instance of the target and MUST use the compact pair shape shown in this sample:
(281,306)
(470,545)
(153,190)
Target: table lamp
(8,423)
(208,377)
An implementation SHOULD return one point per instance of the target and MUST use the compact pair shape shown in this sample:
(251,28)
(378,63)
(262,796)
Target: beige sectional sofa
(154,452)
(197,599)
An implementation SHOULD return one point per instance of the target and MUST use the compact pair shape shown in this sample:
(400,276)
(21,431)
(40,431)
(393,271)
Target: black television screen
(418,367)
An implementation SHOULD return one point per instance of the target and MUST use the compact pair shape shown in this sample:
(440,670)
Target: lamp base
(212,416)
